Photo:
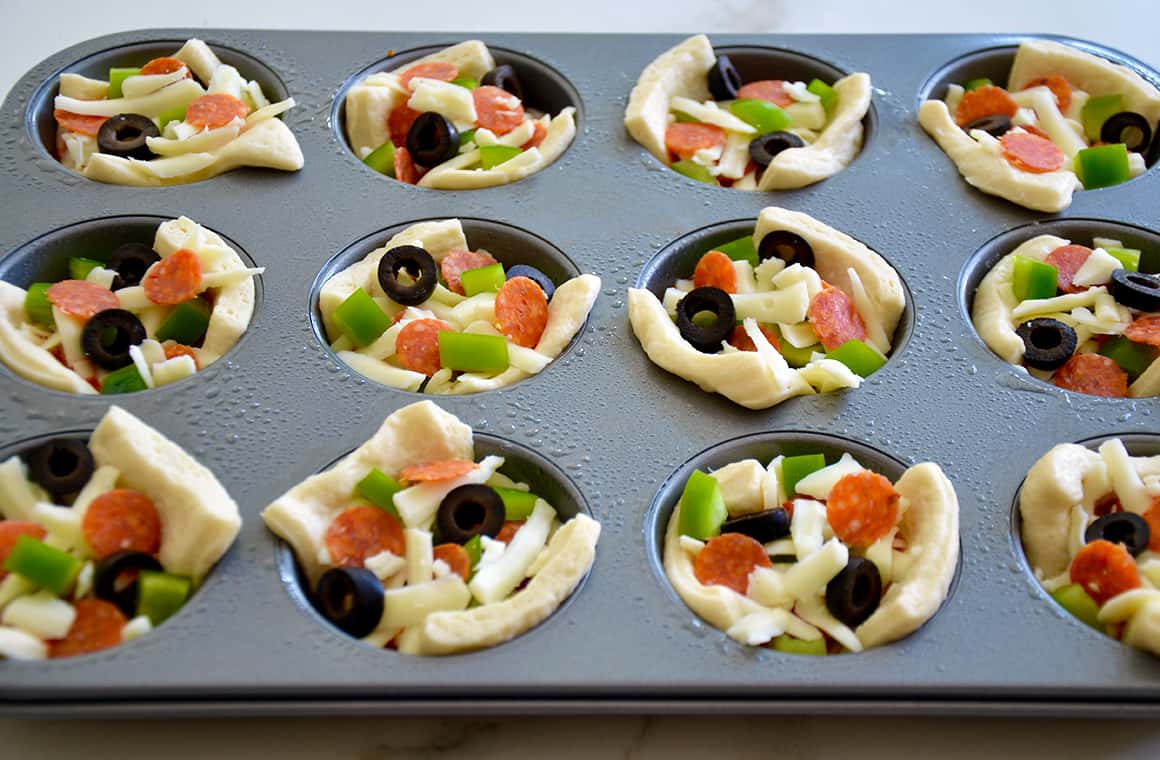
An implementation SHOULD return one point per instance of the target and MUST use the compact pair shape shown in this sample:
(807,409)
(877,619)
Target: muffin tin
(279,407)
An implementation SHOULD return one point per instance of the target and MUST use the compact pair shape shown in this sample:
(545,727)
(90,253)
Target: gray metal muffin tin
(278,407)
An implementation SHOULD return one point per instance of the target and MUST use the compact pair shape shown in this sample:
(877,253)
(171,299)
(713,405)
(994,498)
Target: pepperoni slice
(508,531)
(984,101)
(97,626)
(741,340)
(1145,330)
(1152,517)
(214,110)
(715,269)
(1104,570)
(122,520)
(405,170)
(444,71)
(1094,374)
(1059,87)
(683,139)
(81,298)
(79,122)
(173,280)
(458,261)
(834,318)
(1107,504)
(165,65)
(174,349)
(1068,259)
(772,90)
(521,311)
(728,559)
(497,109)
(10,533)
(362,532)
(417,345)
(430,472)
(1031,153)
(456,558)
(399,123)
(862,508)
(538,134)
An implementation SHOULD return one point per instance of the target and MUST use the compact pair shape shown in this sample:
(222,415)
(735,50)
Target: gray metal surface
(278,408)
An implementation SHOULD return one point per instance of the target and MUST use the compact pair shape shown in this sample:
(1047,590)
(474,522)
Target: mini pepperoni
(741,340)
(497,109)
(683,139)
(458,261)
(728,559)
(417,345)
(862,508)
(81,298)
(174,349)
(456,558)
(1107,504)
(164,65)
(214,110)
(173,280)
(1059,87)
(1068,259)
(772,90)
(538,134)
(1031,153)
(97,626)
(715,269)
(1152,517)
(79,122)
(430,472)
(1094,374)
(362,532)
(1145,330)
(521,311)
(10,533)
(508,531)
(444,71)
(122,520)
(405,170)
(834,318)
(1104,570)
(987,100)
(399,123)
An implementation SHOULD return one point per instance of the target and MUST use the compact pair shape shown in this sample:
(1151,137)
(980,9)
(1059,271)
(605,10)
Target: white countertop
(34,30)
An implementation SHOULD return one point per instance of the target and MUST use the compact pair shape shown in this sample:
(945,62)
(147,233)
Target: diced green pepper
(37,307)
(1033,279)
(1132,357)
(790,645)
(117,78)
(379,489)
(1129,257)
(976,83)
(693,170)
(248,99)
(361,319)
(794,469)
(124,380)
(173,114)
(466,136)
(470,352)
(466,82)
(187,322)
(44,565)
(702,507)
(798,357)
(1075,600)
(1102,166)
(382,159)
(864,360)
(517,505)
(159,594)
(474,549)
(1096,111)
(741,249)
(79,267)
(825,92)
(491,156)
(762,115)
(684,118)
(488,279)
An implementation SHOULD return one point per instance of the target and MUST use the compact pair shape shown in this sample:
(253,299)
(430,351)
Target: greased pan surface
(278,408)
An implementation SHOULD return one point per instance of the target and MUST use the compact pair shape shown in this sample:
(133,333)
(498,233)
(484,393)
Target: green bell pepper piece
(1102,166)
(790,645)
(517,504)
(1096,111)
(827,94)
(693,170)
(37,307)
(741,249)
(470,352)
(1033,279)
(466,82)
(466,136)
(794,469)
(1075,600)
(79,267)
(1132,357)
(187,322)
(160,595)
(684,118)
(976,83)
(361,319)
(762,115)
(1129,257)
(173,114)
(116,78)
(382,159)
(702,507)
(124,380)
(491,156)
(488,279)
(864,360)
(43,565)
(797,357)
(474,549)
(379,489)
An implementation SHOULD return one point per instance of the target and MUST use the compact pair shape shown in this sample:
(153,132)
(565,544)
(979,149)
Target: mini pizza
(1067,120)
(692,111)
(425,312)
(797,308)
(408,542)
(813,558)
(174,120)
(102,541)
(1085,319)
(132,319)
(453,120)
(1091,532)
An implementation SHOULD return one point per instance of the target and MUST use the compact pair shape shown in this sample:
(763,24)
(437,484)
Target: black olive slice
(469,511)
(131,261)
(61,466)
(418,264)
(1129,128)
(788,246)
(724,79)
(115,578)
(853,594)
(535,275)
(1136,290)
(125,134)
(763,148)
(432,139)
(107,336)
(766,526)
(995,124)
(783,559)
(706,338)
(504,77)
(351,598)
(1047,343)
(1126,528)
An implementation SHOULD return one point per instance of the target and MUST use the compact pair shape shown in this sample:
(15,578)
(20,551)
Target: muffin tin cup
(615,424)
